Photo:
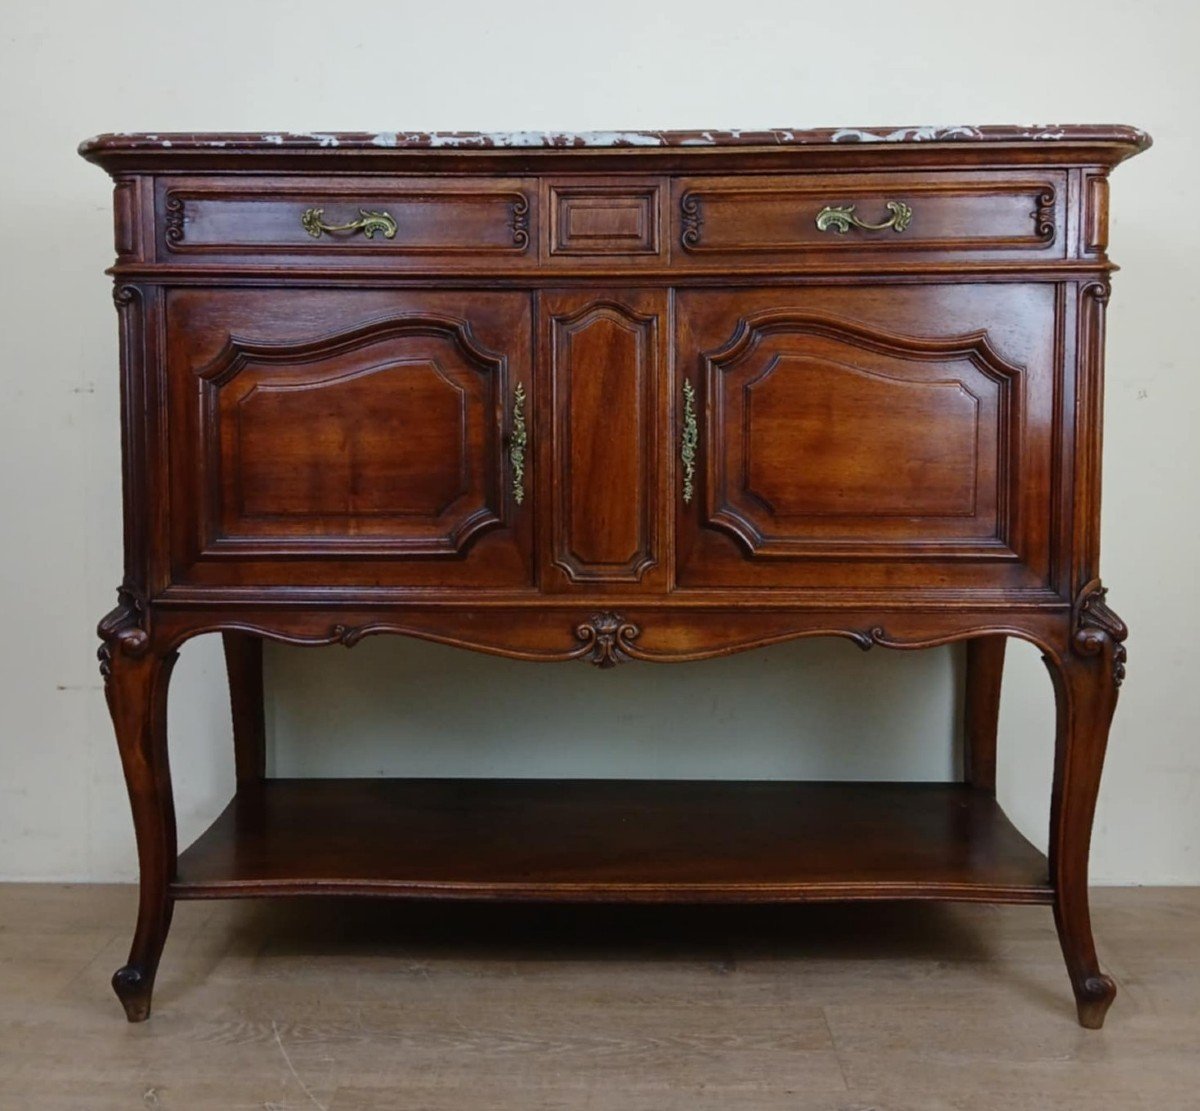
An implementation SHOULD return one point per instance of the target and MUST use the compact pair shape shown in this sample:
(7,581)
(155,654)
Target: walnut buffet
(633,396)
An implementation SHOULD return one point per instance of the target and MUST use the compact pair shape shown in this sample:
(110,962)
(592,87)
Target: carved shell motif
(607,639)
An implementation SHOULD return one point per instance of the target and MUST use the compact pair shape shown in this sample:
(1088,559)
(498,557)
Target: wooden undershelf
(614,840)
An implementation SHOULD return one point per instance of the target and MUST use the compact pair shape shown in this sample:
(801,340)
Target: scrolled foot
(133,988)
(1093,998)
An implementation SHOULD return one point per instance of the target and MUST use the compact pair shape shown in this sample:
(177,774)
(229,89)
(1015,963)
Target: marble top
(499,140)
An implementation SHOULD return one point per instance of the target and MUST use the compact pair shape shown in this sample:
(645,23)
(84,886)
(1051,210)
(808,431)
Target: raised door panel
(605,358)
(373,432)
(859,438)
(863,435)
(826,433)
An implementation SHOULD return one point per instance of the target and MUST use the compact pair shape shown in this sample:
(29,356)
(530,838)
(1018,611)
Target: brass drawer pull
(841,218)
(368,223)
(517,443)
(689,441)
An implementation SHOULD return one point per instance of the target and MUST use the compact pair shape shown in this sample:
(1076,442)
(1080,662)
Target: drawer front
(350,438)
(760,219)
(409,221)
(856,437)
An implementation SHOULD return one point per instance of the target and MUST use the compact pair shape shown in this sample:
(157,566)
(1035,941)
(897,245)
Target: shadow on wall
(801,710)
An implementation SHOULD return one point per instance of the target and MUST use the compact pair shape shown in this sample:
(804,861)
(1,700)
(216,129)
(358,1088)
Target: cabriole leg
(136,680)
(985,667)
(1086,678)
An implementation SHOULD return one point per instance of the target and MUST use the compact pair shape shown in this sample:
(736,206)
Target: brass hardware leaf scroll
(368,223)
(841,218)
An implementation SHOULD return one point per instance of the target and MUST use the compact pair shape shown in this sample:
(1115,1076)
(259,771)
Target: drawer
(770,218)
(352,221)
(605,221)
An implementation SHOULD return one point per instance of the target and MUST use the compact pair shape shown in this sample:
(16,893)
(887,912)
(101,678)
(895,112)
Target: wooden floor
(373,1005)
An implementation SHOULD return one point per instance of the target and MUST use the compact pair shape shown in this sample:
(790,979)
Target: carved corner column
(136,677)
(1086,676)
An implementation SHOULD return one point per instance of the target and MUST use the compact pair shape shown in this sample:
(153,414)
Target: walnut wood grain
(348,430)
(615,398)
(600,220)
(763,220)
(244,668)
(614,841)
(816,463)
(136,678)
(985,668)
(606,360)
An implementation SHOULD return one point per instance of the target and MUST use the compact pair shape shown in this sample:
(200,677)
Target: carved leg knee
(1086,677)
(135,683)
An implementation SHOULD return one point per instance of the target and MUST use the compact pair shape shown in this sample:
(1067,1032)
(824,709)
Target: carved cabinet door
(361,438)
(604,355)
(867,437)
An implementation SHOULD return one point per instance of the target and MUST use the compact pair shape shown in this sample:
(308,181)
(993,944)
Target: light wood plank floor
(344,1005)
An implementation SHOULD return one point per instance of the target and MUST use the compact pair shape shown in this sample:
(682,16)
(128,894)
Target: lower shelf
(614,841)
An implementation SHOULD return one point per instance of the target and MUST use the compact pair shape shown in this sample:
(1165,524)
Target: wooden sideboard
(639,396)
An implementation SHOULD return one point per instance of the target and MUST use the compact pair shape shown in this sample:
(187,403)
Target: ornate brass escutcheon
(517,443)
(689,441)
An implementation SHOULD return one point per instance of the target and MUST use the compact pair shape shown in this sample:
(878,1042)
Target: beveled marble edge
(562,140)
